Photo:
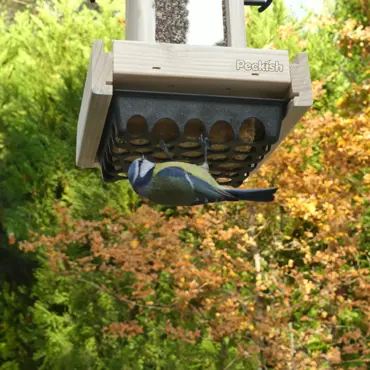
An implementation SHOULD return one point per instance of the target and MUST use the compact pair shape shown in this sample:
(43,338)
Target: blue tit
(184,184)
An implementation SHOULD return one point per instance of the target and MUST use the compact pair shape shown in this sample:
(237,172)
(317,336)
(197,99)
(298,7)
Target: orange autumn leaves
(196,274)
(319,172)
(354,35)
(260,275)
(204,273)
(126,329)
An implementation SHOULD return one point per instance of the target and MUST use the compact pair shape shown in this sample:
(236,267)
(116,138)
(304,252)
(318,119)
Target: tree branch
(230,364)
(121,299)
(292,346)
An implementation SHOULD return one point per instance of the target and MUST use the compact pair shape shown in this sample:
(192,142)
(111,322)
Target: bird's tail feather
(253,195)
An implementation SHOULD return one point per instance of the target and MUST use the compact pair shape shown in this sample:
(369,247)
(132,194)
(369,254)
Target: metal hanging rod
(263,5)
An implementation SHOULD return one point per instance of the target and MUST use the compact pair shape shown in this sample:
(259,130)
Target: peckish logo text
(260,66)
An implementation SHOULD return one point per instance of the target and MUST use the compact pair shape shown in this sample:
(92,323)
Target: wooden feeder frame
(139,64)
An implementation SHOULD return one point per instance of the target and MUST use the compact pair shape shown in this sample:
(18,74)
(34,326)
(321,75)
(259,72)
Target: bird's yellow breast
(193,169)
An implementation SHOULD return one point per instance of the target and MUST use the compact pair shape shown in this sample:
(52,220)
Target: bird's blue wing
(203,191)
(177,172)
(207,193)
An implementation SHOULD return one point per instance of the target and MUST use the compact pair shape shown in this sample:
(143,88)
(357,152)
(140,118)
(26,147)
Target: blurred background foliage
(134,286)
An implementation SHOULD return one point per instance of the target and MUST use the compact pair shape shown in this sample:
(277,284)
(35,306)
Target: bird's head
(140,173)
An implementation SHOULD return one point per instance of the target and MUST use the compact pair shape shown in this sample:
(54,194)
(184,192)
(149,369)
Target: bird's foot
(205,143)
(163,146)
(205,165)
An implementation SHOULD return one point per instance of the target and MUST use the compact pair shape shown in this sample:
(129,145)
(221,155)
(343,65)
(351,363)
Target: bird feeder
(167,81)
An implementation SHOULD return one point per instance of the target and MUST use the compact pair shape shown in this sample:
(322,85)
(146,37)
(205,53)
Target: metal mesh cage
(241,132)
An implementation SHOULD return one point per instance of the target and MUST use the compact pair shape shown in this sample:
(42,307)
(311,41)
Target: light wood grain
(96,99)
(301,88)
(235,23)
(301,102)
(197,69)
(130,66)
(140,20)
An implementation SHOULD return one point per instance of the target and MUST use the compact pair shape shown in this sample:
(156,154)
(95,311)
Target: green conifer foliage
(44,55)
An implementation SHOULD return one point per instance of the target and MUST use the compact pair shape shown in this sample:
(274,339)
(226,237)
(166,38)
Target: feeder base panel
(241,132)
